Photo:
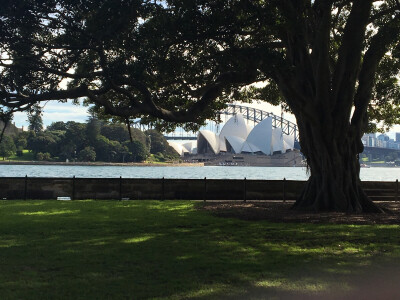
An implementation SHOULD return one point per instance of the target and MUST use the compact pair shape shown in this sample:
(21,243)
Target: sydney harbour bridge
(252,115)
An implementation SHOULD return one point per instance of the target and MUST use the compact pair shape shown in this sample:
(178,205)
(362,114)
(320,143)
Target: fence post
(163,189)
(397,190)
(73,188)
(205,189)
(26,187)
(120,188)
(284,190)
(244,190)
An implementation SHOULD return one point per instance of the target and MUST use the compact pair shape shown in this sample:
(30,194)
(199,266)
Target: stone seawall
(168,189)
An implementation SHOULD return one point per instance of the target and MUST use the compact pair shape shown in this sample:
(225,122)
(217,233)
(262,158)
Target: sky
(55,111)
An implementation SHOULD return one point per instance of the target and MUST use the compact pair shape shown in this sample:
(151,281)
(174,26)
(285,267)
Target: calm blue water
(212,172)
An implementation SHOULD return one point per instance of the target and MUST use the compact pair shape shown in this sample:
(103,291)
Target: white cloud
(265,106)
(393,130)
(56,111)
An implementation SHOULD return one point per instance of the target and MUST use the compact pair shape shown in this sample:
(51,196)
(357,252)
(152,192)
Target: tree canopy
(7,147)
(35,119)
(333,63)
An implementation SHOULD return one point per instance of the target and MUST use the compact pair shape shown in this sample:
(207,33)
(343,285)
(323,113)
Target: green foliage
(117,132)
(87,154)
(46,156)
(7,147)
(39,156)
(103,148)
(26,156)
(76,135)
(43,142)
(21,142)
(269,91)
(35,119)
(93,127)
(137,151)
(156,141)
(108,150)
(392,156)
(59,125)
(170,153)
(43,156)
(173,250)
(140,136)
(384,109)
(182,61)
(86,142)
(159,157)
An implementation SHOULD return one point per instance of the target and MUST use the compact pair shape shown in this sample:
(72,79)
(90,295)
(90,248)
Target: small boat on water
(365,166)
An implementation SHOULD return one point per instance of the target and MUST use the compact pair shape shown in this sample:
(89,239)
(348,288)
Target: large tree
(329,61)
(7,147)
(35,119)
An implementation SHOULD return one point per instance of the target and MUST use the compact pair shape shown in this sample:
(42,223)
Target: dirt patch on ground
(275,211)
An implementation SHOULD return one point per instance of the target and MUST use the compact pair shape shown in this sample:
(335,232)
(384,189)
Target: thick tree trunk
(334,184)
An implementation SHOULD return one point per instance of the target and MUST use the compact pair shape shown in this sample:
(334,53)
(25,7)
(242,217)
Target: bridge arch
(249,113)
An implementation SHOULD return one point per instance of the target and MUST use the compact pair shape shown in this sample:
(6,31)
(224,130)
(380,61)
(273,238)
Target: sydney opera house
(237,137)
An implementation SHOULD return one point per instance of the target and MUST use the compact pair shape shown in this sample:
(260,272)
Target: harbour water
(187,172)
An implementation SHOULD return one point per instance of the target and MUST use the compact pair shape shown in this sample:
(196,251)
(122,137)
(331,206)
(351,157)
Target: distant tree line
(92,141)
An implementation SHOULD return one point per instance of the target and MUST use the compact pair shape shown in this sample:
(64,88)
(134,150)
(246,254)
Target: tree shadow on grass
(170,250)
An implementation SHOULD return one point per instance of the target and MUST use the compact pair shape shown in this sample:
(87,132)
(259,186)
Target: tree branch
(383,13)
(349,56)
(320,53)
(6,120)
(15,100)
(380,43)
(149,107)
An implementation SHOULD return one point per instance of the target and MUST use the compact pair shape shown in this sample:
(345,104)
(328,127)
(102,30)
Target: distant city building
(381,141)
(383,137)
(391,144)
(372,135)
(372,141)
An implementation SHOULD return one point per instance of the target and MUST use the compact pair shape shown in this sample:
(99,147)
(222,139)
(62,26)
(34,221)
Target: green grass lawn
(26,156)
(171,250)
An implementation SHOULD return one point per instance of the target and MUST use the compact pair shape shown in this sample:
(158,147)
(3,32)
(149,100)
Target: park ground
(186,249)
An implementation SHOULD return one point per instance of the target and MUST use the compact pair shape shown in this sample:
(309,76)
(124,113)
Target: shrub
(46,156)
(87,154)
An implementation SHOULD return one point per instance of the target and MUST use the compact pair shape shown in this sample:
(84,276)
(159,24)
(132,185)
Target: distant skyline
(56,111)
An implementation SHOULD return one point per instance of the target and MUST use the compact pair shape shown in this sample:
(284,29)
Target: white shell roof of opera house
(237,137)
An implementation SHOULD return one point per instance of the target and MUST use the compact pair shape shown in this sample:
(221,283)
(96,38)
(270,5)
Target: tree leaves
(164,60)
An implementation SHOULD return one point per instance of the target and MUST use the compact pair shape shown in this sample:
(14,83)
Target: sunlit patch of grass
(171,250)
(139,239)
(7,243)
(307,285)
(49,213)
(210,291)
